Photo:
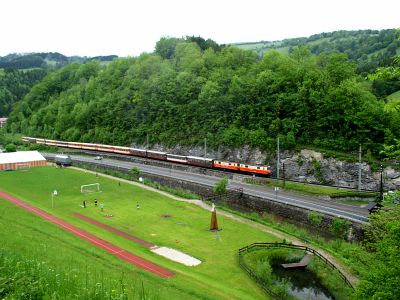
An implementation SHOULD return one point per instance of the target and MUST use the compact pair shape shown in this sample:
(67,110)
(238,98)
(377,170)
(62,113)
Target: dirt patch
(166,216)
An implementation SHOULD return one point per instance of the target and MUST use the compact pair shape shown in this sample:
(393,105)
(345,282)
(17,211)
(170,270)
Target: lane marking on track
(115,250)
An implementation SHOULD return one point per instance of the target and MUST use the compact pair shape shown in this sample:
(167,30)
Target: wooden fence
(283,245)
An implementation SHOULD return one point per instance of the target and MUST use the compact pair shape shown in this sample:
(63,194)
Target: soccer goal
(90,188)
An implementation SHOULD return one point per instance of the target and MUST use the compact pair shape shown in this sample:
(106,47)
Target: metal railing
(283,245)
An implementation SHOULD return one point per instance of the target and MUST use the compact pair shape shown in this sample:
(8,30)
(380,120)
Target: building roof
(20,157)
(3,119)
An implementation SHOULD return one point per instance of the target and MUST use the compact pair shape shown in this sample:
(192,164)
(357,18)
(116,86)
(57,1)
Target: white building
(21,159)
(3,122)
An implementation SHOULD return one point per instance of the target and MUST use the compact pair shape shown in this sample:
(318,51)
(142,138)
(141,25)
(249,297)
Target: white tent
(21,159)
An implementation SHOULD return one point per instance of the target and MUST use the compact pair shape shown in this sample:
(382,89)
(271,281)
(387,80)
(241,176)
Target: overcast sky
(130,27)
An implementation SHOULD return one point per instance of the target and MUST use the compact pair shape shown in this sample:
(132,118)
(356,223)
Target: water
(303,284)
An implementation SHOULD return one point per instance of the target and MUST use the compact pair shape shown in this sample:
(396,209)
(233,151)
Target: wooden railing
(283,245)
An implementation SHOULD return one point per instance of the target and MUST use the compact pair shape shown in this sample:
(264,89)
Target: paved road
(354,213)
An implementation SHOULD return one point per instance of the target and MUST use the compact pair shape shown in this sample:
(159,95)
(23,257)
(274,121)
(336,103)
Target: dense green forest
(14,84)
(47,60)
(190,89)
(19,72)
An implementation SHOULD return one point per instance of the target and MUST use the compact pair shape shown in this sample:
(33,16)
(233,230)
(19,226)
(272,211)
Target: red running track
(116,231)
(121,253)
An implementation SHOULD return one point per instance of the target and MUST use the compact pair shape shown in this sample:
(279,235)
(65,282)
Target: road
(355,213)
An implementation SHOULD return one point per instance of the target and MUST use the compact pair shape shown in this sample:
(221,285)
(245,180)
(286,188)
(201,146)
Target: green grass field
(218,277)
(394,97)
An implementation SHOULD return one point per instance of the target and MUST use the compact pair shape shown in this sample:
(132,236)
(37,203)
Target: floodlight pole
(381,186)
(52,198)
(277,160)
(205,147)
(359,168)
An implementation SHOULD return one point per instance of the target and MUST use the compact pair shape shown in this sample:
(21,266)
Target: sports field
(146,215)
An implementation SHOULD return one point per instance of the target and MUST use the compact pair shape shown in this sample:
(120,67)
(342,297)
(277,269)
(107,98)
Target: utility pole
(277,160)
(359,169)
(52,198)
(381,187)
(205,147)
(283,174)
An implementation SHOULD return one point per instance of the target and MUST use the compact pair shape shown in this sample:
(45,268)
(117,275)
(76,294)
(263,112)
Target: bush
(339,228)
(315,218)
(135,172)
(221,186)
(11,148)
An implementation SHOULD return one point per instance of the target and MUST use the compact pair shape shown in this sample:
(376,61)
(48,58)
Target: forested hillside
(183,93)
(14,84)
(47,61)
(19,72)
(368,48)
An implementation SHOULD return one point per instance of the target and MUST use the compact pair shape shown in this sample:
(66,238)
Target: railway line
(353,213)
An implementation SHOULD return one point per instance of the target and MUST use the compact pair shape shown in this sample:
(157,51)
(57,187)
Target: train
(259,170)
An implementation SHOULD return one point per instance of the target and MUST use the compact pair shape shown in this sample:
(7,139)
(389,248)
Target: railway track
(353,213)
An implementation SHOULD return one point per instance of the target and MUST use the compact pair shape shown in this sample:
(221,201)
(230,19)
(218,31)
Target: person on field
(95,202)
(101,206)
(84,203)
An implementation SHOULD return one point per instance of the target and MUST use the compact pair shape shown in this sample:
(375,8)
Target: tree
(135,172)
(377,228)
(315,218)
(382,235)
(11,148)
(221,186)
(165,47)
(339,228)
(391,151)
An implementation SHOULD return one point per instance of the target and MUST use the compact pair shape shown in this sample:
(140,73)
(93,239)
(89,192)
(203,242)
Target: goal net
(90,188)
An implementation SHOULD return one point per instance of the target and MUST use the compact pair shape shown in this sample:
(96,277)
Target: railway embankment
(237,200)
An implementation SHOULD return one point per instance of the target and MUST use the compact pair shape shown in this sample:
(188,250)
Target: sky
(131,27)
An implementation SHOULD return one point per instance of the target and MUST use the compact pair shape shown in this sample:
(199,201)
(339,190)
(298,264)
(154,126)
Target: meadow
(159,220)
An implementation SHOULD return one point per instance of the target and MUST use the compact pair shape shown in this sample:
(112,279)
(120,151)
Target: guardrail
(283,245)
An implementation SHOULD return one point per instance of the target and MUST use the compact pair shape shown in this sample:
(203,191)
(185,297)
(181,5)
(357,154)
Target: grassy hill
(395,97)
(368,48)
(84,269)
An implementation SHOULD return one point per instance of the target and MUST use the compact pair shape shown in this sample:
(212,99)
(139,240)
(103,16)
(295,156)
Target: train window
(238,165)
(258,168)
(246,166)
(229,163)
